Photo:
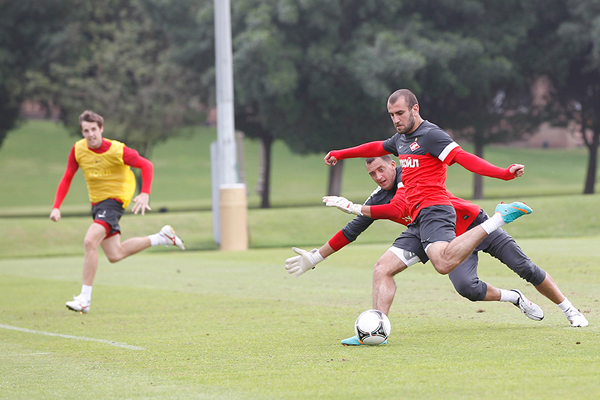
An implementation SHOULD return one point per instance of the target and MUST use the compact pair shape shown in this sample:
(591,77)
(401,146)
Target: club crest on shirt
(414,146)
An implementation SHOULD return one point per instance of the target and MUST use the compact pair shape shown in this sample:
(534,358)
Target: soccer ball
(372,327)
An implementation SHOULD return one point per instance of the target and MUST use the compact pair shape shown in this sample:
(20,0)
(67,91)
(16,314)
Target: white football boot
(169,233)
(79,304)
(576,318)
(531,310)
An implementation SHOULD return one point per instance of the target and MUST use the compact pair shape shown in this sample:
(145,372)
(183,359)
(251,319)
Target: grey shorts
(501,246)
(433,224)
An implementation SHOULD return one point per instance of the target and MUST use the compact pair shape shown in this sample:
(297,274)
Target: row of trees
(314,74)
(104,55)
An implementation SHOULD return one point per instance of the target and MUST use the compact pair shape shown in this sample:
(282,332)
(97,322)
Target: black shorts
(433,224)
(108,213)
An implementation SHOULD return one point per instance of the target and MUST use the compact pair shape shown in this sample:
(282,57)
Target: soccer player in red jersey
(111,184)
(424,150)
(388,202)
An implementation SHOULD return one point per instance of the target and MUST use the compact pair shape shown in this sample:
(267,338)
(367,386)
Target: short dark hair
(387,158)
(408,96)
(90,116)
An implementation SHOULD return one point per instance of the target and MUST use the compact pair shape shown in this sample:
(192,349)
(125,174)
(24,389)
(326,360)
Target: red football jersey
(423,156)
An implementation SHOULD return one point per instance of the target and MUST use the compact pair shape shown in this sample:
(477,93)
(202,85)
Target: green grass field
(236,326)
(206,324)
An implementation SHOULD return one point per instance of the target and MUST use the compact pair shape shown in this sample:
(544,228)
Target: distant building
(548,136)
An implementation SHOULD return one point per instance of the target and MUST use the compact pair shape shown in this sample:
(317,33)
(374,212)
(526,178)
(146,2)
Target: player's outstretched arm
(304,261)
(343,204)
(64,185)
(141,201)
(396,210)
(480,166)
(371,149)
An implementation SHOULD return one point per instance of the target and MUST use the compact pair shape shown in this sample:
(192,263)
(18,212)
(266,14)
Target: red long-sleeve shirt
(130,157)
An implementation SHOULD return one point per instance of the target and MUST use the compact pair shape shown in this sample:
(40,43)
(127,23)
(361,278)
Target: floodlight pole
(230,204)
(224,75)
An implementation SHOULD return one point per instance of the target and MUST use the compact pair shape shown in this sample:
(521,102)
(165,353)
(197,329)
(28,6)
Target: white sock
(565,305)
(157,239)
(86,292)
(492,223)
(509,295)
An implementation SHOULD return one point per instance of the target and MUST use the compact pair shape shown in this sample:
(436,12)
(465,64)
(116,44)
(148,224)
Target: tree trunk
(478,179)
(592,146)
(335,179)
(263,186)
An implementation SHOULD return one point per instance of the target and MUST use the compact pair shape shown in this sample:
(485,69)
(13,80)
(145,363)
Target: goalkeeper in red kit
(111,184)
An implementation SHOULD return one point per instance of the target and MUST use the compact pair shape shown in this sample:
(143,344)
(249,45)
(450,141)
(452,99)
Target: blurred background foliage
(312,74)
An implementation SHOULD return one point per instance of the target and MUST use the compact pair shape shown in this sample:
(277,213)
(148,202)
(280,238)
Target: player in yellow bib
(106,165)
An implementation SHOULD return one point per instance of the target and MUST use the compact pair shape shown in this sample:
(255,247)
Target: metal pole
(233,206)
(224,74)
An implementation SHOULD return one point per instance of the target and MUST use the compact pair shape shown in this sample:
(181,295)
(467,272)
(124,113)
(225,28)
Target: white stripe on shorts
(407,257)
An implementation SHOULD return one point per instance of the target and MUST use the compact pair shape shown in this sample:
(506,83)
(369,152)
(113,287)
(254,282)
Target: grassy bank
(33,159)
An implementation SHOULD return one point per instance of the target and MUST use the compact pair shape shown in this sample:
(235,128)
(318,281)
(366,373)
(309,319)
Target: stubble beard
(407,128)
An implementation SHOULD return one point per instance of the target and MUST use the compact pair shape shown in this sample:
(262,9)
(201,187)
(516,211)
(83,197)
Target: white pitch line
(117,344)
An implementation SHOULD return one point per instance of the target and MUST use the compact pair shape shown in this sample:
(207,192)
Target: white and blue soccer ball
(372,327)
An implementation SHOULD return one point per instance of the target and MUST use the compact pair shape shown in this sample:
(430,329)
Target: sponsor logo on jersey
(97,173)
(409,163)
(414,146)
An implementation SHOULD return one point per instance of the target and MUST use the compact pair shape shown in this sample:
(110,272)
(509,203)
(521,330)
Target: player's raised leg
(168,237)
(512,211)
(116,251)
(446,256)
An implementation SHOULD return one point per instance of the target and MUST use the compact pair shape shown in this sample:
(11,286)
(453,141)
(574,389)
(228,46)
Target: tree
(470,83)
(572,51)
(316,74)
(25,28)
(293,63)
(111,58)
(298,73)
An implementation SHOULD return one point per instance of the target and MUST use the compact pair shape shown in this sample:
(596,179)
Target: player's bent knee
(113,258)
(469,290)
(443,269)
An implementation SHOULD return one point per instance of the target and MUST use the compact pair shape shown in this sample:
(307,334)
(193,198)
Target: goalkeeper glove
(343,204)
(303,261)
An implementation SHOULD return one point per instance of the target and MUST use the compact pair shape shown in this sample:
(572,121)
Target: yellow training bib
(106,174)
